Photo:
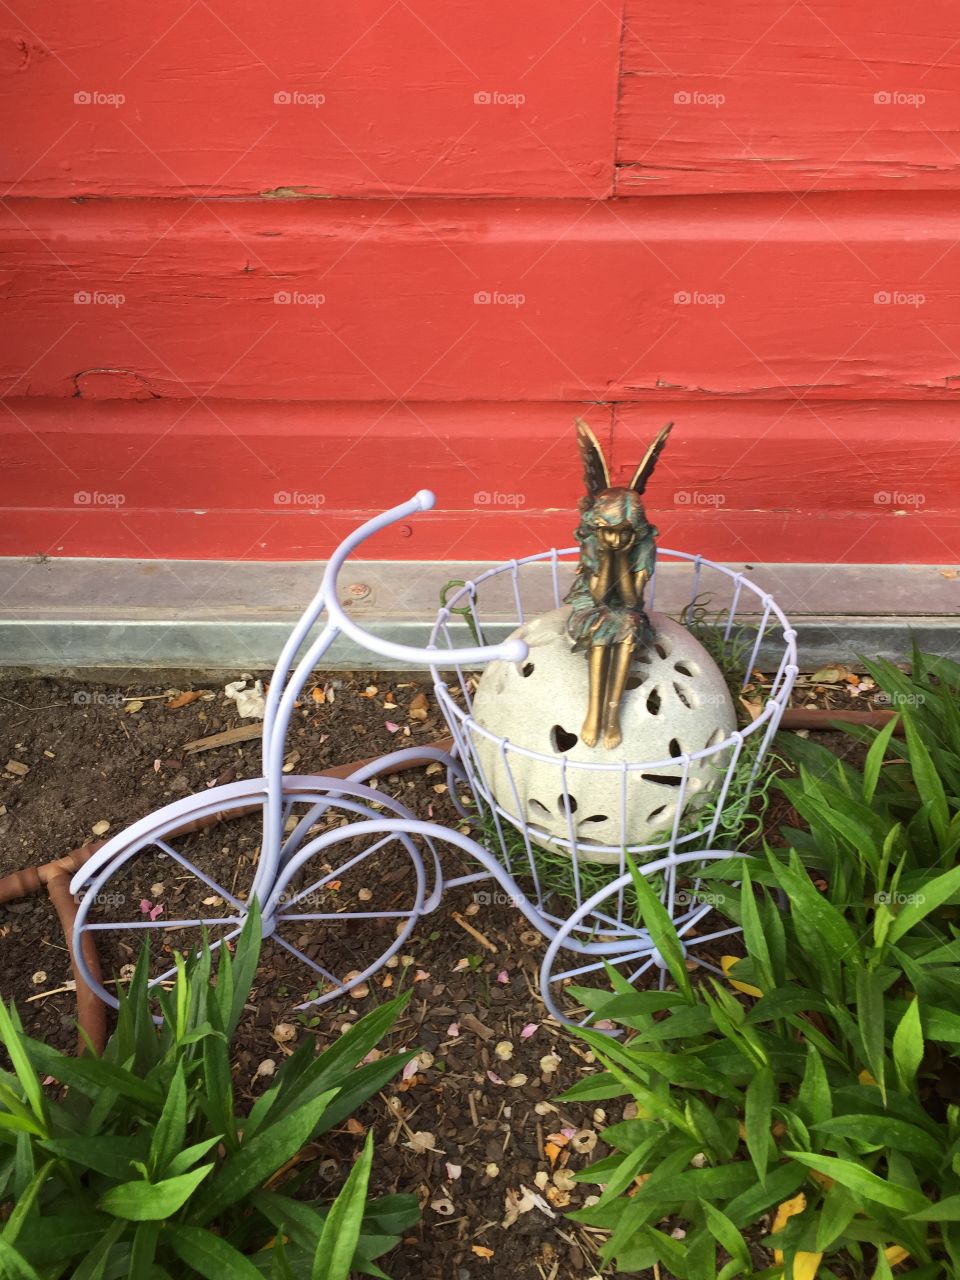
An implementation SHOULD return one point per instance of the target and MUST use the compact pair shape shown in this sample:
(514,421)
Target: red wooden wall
(267,270)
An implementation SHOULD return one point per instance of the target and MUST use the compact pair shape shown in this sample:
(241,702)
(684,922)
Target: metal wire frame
(596,934)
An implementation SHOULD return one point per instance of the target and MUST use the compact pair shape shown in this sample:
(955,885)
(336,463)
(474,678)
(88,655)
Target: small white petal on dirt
(604,1024)
(518,1081)
(504,1050)
(391,727)
(549,1063)
(564,1179)
(157,889)
(100,828)
(461,964)
(364,894)
(699,1160)
(283,1032)
(157,765)
(133,706)
(421,1141)
(454,1171)
(541,1179)
(213,901)
(442,1205)
(453,1030)
(528,1030)
(39,978)
(491,1170)
(421,975)
(494,1078)
(544,1108)
(266,1068)
(126,972)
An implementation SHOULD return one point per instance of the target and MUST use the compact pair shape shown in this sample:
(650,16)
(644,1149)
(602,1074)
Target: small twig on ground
(474,933)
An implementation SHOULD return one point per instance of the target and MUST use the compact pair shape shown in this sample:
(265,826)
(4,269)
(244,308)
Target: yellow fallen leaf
(551,1150)
(184,699)
(726,964)
(805,1265)
(318,695)
(481,1251)
(895,1253)
(866,1078)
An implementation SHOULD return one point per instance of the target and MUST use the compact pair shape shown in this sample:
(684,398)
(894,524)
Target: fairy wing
(649,460)
(596,477)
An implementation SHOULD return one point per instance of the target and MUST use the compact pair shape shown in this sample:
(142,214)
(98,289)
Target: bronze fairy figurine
(617,556)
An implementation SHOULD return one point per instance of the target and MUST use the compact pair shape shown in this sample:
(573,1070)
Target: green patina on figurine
(617,556)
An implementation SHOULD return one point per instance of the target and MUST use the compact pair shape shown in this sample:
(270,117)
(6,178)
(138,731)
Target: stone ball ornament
(675,703)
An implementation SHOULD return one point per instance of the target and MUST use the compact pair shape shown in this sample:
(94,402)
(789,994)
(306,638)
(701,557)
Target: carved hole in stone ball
(688,698)
(715,738)
(653,702)
(642,656)
(655,813)
(594,817)
(561,739)
(687,668)
(675,748)
(527,669)
(538,804)
(566,804)
(634,682)
(663,779)
(663,647)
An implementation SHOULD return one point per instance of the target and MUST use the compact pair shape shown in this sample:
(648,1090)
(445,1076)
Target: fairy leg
(616,683)
(598,661)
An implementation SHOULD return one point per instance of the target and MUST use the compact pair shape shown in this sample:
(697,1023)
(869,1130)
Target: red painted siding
(743,219)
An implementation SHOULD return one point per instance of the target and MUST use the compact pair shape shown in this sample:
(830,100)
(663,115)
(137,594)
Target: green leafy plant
(809,1107)
(143,1168)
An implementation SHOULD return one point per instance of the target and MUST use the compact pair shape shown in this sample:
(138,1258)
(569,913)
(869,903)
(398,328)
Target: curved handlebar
(424,500)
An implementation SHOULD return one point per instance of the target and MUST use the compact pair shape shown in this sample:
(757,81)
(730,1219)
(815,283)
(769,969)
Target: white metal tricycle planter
(328,848)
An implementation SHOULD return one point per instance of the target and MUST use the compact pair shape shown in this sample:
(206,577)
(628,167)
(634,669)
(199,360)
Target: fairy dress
(612,621)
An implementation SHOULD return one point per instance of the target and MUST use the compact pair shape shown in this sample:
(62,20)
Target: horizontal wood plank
(761,96)
(828,298)
(224,99)
(759,480)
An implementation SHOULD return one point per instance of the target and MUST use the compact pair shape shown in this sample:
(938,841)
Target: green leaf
(884,1131)
(837,1210)
(908,1046)
(822,931)
(94,1265)
(209,1255)
(254,1161)
(171,1130)
(21,1209)
(341,1231)
(934,894)
(927,780)
(726,1234)
(813,1097)
(663,933)
(874,760)
(863,1181)
(946,1210)
(14,1041)
(182,1161)
(91,1075)
(754,936)
(14,1264)
(142,1201)
(62,1236)
(143,1250)
(244,966)
(871,1024)
(758,1117)
(110,1155)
